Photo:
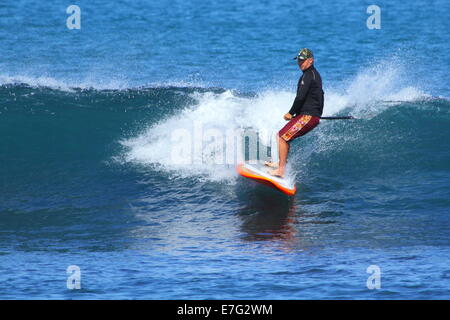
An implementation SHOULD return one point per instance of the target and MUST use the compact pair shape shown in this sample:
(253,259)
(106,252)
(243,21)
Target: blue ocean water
(87,176)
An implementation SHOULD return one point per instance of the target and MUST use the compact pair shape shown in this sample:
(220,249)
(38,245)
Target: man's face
(305,64)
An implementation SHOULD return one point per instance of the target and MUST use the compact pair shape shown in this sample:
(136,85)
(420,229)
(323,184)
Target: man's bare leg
(283,151)
(274,164)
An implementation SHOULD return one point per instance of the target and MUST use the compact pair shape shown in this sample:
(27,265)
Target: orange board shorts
(298,126)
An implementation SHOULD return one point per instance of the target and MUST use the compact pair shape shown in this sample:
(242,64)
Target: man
(305,112)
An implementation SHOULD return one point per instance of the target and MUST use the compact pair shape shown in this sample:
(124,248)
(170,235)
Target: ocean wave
(370,93)
(93,83)
(181,130)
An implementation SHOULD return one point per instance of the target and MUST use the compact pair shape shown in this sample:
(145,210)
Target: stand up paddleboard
(258,173)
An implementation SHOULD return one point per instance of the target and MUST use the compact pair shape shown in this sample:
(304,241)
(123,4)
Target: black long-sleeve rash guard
(309,99)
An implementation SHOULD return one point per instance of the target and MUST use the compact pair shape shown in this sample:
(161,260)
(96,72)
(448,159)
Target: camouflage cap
(304,54)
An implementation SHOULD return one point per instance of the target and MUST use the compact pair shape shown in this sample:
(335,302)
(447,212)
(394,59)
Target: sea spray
(193,142)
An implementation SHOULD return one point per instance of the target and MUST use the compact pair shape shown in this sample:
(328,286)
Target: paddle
(337,118)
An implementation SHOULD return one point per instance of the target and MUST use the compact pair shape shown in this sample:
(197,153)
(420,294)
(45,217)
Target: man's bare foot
(271,164)
(276,173)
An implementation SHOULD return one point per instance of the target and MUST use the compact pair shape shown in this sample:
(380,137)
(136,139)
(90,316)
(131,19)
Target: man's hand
(287,116)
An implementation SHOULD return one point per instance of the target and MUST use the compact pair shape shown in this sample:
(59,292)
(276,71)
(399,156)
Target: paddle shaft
(336,118)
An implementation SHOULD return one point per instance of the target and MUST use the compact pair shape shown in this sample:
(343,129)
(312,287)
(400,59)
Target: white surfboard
(258,172)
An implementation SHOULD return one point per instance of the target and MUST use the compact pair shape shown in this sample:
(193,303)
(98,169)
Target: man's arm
(302,90)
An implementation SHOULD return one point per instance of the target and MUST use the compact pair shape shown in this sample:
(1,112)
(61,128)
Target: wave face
(118,170)
(397,127)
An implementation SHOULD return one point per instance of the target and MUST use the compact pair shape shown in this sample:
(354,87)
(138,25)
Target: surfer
(305,112)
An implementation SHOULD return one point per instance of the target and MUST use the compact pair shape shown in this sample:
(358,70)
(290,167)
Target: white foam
(372,90)
(367,93)
(64,85)
(92,82)
(216,113)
